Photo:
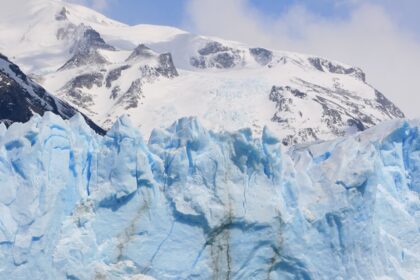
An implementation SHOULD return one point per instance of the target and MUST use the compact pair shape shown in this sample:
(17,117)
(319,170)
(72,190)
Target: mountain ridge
(21,98)
(291,166)
(231,85)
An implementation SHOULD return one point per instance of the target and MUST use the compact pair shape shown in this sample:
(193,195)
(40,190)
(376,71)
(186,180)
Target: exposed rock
(141,51)
(62,15)
(90,39)
(166,66)
(85,49)
(212,48)
(328,110)
(115,92)
(387,106)
(74,88)
(262,56)
(328,66)
(131,98)
(21,98)
(115,74)
(198,62)
(86,80)
(215,55)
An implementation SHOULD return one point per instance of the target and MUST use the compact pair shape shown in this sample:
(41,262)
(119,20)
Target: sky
(380,36)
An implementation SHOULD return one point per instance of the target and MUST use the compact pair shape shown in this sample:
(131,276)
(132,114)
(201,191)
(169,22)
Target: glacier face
(194,204)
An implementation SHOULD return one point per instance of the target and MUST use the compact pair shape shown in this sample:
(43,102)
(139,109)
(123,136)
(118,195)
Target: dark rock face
(131,98)
(166,66)
(215,55)
(62,15)
(149,74)
(14,106)
(327,66)
(91,39)
(85,49)
(332,115)
(358,124)
(81,59)
(212,48)
(20,98)
(141,51)
(74,88)
(282,103)
(87,80)
(151,66)
(115,74)
(306,134)
(198,62)
(115,92)
(262,56)
(225,60)
(340,111)
(387,106)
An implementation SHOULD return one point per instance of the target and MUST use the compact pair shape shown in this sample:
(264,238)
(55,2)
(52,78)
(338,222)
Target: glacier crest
(195,204)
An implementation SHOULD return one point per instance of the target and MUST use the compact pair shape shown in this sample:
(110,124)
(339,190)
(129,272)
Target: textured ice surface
(192,204)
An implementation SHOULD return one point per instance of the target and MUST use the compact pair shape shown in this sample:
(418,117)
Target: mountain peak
(141,51)
(85,48)
(153,73)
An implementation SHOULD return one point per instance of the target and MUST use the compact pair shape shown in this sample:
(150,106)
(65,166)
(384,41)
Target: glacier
(195,204)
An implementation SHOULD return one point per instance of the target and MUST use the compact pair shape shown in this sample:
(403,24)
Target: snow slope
(21,98)
(195,204)
(87,60)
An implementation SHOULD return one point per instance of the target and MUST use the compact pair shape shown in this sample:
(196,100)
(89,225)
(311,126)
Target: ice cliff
(193,204)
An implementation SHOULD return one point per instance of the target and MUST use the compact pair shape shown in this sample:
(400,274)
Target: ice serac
(195,204)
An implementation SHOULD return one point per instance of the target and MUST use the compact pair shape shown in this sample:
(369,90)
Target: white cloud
(371,38)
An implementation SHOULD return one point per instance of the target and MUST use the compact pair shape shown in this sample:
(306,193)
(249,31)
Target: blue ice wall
(194,204)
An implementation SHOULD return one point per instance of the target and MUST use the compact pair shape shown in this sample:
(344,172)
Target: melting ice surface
(192,204)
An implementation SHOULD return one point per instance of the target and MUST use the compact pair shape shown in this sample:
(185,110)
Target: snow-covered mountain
(194,201)
(158,74)
(194,204)
(21,98)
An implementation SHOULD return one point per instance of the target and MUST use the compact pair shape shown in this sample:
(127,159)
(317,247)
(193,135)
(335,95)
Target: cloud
(371,37)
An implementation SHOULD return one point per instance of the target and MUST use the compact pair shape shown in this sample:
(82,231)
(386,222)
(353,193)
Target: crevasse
(194,204)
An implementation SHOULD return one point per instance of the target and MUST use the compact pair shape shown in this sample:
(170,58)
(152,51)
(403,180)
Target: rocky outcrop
(216,55)
(335,68)
(21,98)
(75,88)
(261,55)
(115,74)
(85,49)
(309,111)
(141,52)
